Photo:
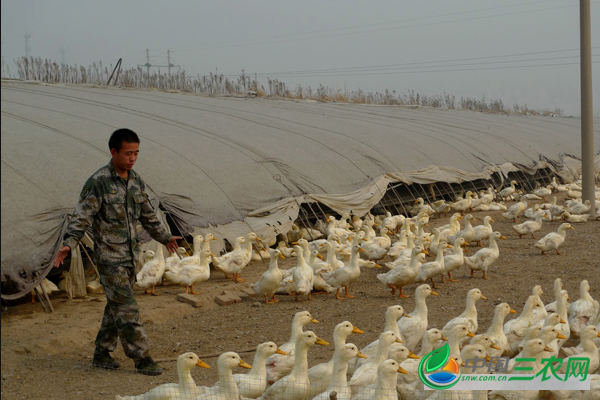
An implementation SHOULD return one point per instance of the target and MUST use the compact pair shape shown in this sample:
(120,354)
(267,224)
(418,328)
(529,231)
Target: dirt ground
(48,355)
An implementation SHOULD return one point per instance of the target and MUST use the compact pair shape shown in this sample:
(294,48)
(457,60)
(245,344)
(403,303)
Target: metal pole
(169,61)
(587,124)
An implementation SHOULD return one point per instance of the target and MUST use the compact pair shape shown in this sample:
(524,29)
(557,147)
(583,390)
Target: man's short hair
(122,135)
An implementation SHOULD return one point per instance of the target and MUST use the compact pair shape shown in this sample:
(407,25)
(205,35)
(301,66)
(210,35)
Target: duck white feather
(554,239)
(279,365)
(185,388)
(296,385)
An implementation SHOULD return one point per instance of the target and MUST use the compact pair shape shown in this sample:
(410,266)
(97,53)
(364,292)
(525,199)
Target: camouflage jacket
(116,209)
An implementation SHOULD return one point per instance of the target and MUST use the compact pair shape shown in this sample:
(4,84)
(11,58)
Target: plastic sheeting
(230,165)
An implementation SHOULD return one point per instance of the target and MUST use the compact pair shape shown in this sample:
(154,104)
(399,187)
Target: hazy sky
(524,52)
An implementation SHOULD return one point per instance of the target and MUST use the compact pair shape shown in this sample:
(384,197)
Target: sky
(521,52)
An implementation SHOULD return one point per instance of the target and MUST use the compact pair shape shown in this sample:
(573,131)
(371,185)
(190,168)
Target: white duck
(528,227)
(457,334)
(173,259)
(279,365)
(557,287)
(539,312)
(337,380)
(463,205)
(411,365)
(547,334)
(441,207)
(401,276)
(331,227)
(345,276)
(321,374)
(366,373)
(467,233)
(235,261)
(543,192)
(194,259)
(485,257)
(152,272)
(561,310)
(232,259)
(285,250)
(254,383)
(226,387)
(208,238)
(509,191)
(554,239)
(531,349)
(331,262)
(469,352)
(269,281)
(578,208)
(399,245)
(296,385)
(553,321)
(487,343)
(515,329)
(186,387)
(397,353)
(377,248)
(515,211)
(451,228)
(303,275)
(412,328)
(392,315)
(190,274)
(433,268)
(574,219)
(468,316)
(455,260)
(483,232)
(496,331)
(387,377)
(583,311)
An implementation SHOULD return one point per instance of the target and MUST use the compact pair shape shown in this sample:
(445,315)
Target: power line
(421,71)
(421,63)
(290,37)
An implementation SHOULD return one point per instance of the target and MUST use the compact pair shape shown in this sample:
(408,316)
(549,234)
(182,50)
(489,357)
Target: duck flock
(329,257)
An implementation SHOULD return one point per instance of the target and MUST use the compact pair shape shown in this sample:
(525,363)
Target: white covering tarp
(230,165)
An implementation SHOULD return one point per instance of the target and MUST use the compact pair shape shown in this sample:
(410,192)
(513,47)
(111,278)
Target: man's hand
(60,257)
(172,245)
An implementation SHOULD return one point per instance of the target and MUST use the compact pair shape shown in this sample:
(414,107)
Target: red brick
(189,299)
(225,300)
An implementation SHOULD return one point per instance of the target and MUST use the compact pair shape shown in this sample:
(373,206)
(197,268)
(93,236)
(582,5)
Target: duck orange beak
(202,364)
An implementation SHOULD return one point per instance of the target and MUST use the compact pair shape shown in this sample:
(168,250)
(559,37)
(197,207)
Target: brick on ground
(189,299)
(226,299)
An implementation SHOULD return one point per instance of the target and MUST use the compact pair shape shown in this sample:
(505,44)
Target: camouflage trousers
(121,314)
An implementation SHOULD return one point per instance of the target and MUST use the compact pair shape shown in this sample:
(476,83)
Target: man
(114,202)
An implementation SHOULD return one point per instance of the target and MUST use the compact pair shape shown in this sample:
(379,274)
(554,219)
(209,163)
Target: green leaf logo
(437,358)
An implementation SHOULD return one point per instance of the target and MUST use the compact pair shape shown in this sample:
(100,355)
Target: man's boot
(102,359)
(147,366)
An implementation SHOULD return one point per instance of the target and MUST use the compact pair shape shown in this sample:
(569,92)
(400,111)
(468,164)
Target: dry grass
(218,84)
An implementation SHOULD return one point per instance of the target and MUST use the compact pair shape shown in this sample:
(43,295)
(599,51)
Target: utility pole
(587,123)
(148,65)
(62,55)
(27,48)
